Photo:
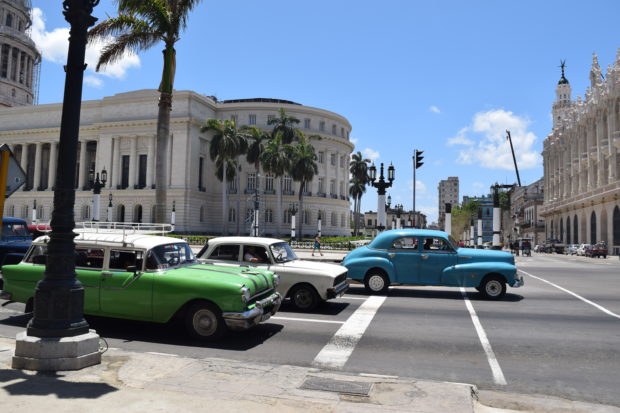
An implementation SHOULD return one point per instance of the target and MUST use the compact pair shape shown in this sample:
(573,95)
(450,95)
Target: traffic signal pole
(417,162)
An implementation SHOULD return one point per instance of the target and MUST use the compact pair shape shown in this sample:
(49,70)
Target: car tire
(493,287)
(304,297)
(204,321)
(376,282)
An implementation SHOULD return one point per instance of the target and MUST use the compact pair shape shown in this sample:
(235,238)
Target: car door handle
(391,254)
(424,256)
(106,274)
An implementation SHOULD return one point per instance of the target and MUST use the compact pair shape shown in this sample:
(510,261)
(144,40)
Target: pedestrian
(317,244)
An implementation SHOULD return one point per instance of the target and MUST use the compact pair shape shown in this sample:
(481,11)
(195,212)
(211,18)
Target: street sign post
(12,176)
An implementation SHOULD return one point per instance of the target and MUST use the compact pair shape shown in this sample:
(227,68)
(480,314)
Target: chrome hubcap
(204,322)
(303,298)
(375,282)
(493,288)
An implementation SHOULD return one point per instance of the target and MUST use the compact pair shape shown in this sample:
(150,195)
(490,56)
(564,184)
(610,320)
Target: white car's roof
(244,240)
(142,241)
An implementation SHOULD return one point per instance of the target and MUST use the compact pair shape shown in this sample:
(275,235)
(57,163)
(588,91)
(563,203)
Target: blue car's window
(406,243)
(436,244)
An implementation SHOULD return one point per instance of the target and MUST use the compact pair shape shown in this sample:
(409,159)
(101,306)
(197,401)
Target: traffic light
(418,159)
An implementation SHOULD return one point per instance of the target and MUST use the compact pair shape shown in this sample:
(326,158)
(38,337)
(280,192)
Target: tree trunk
(224,202)
(161,160)
(355,217)
(301,211)
(279,208)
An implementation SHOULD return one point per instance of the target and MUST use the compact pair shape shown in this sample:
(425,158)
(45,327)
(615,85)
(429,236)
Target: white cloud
(434,109)
(420,187)
(478,185)
(54,46)
(93,81)
(371,154)
(487,143)
(354,141)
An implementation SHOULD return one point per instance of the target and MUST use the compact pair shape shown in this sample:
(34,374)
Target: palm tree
(276,162)
(303,167)
(140,25)
(227,144)
(285,125)
(257,139)
(358,167)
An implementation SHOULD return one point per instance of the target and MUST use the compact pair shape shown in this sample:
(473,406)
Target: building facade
(582,162)
(485,213)
(117,133)
(19,58)
(525,208)
(448,190)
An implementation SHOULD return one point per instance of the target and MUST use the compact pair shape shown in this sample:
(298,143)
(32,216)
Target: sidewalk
(140,382)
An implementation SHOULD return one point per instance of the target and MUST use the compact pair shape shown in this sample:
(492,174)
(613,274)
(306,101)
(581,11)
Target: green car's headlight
(246,294)
(276,280)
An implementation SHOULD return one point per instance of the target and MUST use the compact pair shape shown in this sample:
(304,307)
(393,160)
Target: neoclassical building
(19,58)
(117,133)
(582,162)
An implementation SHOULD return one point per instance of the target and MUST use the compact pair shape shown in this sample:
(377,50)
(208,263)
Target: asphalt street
(559,335)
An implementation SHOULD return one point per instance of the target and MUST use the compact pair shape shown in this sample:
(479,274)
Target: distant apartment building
(448,193)
(485,211)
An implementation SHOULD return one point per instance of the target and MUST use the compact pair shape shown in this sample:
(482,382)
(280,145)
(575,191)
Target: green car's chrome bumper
(263,309)
(5,295)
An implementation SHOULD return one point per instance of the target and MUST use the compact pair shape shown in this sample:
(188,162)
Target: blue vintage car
(426,257)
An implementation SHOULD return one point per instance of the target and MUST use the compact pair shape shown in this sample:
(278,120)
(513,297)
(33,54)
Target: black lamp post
(399,210)
(381,186)
(97,184)
(59,296)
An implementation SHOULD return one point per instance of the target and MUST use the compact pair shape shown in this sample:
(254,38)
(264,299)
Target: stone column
(24,162)
(613,151)
(116,160)
(37,166)
(51,182)
(81,173)
(132,161)
(150,157)
(600,181)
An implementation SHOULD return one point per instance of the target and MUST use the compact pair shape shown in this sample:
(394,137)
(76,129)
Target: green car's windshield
(282,252)
(170,255)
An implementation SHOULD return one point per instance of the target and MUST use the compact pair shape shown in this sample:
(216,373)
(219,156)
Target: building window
(142,171)
(322,126)
(232,185)
(342,132)
(86,212)
(201,171)
(342,161)
(333,129)
(4,58)
(334,219)
(343,220)
(333,159)
(252,120)
(307,123)
(232,215)
(321,185)
(306,217)
(14,54)
(269,182)
(288,184)
(332,187)
(251,184)
(286,217)
(270,118)
(120,213)
(269,216)
(125,171)
(9,20)
(321,157)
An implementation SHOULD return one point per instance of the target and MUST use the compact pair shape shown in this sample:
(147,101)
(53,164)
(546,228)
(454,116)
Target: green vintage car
(154,278)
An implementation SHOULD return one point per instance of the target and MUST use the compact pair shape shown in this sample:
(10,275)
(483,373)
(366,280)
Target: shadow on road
(326,308)
(432,292)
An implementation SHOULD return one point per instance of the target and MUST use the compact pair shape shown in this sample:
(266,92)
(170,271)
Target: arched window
(306,217)
(86,212)
(232,215)
(202,213)
(120,213)
(575,230)
(11,212)
(568,239)
(334,219)
(269,215)
(40,212)
(616,226)
(561,237)
(25,210)
(9,20)
(593,228)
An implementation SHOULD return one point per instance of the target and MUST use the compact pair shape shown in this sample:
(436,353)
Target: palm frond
(115,26)
(132,42)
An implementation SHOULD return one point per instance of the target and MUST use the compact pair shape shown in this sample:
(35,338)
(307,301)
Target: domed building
(117,134)
(19,58)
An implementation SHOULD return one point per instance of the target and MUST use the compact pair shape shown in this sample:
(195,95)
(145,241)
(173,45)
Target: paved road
(559,335)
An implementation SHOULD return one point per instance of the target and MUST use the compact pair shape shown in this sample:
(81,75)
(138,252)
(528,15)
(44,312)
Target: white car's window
(282,252)
(226,252)
(170,255)
(253,253)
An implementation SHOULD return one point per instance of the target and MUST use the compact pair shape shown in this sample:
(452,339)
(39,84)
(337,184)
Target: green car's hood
(255,279)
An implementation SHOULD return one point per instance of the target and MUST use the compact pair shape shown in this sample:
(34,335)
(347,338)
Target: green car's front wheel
(204,321)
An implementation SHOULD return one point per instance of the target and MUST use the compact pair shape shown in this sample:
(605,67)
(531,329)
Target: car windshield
(12,230)
(282,252)
(170,255)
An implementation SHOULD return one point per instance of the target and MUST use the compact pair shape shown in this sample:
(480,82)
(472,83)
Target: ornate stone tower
(563,101)
(19,58)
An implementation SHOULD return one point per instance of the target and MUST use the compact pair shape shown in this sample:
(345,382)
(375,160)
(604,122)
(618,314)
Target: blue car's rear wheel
(376,282)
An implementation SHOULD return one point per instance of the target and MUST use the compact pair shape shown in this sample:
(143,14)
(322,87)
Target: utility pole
(417,162)
(513,156)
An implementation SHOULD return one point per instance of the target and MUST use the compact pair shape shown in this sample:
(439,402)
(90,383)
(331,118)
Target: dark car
(597,250)
(15,241)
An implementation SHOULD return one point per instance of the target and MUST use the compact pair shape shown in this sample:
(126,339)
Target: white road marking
(309,320)
(162,354)
(338,350)
(585,300)
(354,298)
(498,376)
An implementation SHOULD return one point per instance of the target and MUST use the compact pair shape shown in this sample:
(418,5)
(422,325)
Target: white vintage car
(306,283)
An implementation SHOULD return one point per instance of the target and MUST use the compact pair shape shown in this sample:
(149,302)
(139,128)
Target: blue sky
(446,77)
